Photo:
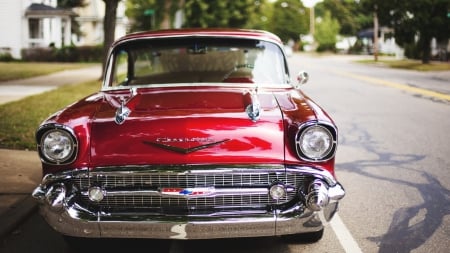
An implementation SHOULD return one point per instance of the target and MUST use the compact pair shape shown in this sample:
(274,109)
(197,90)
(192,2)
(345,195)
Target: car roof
(202,32)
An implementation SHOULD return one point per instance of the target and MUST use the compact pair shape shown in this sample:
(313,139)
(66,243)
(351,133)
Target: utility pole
(311,20)
(375,33)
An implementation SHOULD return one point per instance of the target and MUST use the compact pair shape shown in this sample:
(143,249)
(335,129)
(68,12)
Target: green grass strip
(411,65)
(20,119)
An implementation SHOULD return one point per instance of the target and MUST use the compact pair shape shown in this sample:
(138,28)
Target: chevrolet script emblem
(167,143)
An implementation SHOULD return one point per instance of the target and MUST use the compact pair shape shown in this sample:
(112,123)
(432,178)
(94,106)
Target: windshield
(197,60)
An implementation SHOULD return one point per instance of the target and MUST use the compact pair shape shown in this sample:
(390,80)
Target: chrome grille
(137,180)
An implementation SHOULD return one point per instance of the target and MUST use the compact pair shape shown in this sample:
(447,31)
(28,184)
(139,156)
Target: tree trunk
(109,27)
(425,46)
(165,24)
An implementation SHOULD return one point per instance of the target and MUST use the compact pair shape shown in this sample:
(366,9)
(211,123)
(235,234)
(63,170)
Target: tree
(71,3)
(152,14)
(326,31)
(260,18)
(109,27)
(290,19)
(422,19)
(347,13)
(204,13)
(137,11)
(197,13)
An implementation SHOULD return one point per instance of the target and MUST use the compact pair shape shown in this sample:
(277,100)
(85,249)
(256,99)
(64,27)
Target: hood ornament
(123,111)
(253,110)
(122,114)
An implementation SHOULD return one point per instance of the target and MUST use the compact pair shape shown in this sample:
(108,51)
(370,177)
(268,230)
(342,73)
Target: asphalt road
(393,160)
(394,154)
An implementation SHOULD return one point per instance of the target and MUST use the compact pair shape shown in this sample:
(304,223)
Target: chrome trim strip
(187,169)
(210,84)
(214,193)
(200,34)
(317,173)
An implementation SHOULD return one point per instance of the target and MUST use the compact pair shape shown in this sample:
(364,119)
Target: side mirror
(302,78)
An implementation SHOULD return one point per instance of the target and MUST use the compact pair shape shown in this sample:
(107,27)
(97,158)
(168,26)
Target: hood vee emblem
(184,150)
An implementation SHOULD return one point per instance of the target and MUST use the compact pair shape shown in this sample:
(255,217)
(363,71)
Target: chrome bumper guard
(317,204)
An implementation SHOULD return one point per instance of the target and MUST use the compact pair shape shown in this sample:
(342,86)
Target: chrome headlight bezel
(68,141)
(328,134)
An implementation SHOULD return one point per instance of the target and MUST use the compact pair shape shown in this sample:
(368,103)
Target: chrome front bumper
(316,206)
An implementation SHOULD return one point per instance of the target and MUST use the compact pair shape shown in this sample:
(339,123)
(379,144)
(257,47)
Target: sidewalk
(21,173)
(17,89)
(21,170)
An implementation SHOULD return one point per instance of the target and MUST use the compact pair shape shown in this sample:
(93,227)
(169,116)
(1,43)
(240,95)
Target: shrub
(357,48)
(326,48)
(6,57)
(38,54)
(411,51)
(64,54)
(90,53)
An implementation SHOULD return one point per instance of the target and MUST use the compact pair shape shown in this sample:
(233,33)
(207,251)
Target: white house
(31,23)
(40,23)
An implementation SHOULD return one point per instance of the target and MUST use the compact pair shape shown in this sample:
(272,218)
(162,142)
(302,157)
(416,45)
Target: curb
(16,215)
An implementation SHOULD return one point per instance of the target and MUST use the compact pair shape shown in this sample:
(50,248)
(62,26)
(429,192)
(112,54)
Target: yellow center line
(399,86)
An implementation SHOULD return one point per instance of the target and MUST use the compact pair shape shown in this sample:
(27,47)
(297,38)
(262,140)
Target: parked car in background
(195,134)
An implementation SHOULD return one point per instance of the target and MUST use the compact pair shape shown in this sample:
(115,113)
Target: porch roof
(36,9)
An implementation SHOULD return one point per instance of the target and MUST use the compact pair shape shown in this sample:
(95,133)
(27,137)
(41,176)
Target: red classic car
(195,134)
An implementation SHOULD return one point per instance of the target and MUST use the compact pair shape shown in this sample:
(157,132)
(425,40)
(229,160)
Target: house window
(35,28)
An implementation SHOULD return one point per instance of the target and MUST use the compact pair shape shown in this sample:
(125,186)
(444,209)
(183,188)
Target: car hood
(187,126)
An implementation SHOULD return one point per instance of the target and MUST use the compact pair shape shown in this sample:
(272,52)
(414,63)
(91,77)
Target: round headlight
(315,143)
(57,146)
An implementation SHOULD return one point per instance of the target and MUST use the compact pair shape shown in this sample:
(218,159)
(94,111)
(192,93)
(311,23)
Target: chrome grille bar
(167,180)
(140,201)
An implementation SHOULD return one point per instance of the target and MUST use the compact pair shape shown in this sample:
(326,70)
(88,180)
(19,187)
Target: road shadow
(405,233)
